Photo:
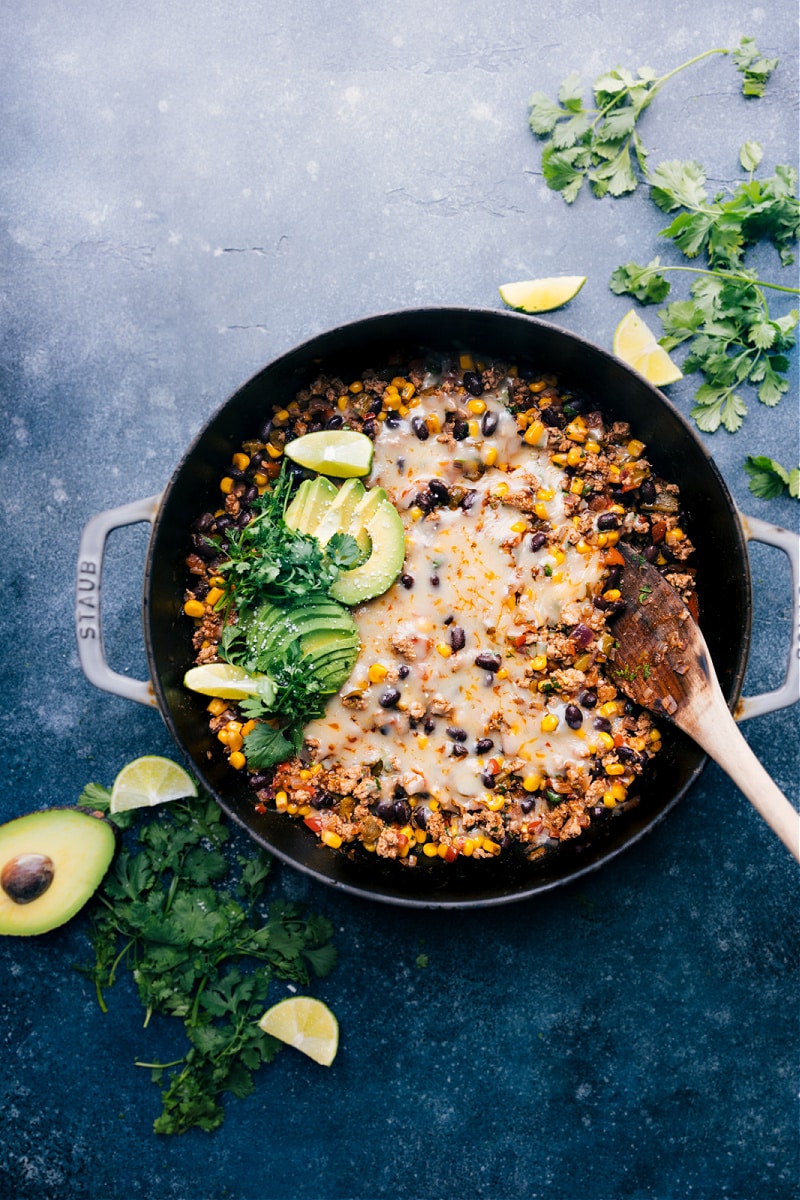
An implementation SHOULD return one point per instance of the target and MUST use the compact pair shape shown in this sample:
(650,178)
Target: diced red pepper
(313,822)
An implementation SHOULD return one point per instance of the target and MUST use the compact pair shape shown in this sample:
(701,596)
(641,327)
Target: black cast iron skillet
(713,523)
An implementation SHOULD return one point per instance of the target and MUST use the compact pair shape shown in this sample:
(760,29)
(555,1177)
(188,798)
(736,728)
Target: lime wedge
(150,780)
(635,343)
(541,295)
(342,453)
(305,1023)
(228,682)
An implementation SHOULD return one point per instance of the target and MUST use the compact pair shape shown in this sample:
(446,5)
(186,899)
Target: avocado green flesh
(378,573)
(274,630)
(79,848)
(340,511)
(314,503)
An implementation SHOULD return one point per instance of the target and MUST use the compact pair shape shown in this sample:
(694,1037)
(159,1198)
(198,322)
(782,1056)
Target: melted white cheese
(471,568)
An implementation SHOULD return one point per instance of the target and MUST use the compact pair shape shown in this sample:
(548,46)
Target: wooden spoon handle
(722,739)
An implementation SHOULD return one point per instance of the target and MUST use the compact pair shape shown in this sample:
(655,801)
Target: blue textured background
(187,190)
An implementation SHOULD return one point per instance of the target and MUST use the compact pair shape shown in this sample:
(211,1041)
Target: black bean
(407,581)
(429,724)
(458,751)
(608,521)
(487,779)
(425,501)
(484,745)
(473,383)
(587,699)
(439,490)
(647,492)
(399,792)
(260,780)
(419,817)
(469,499)
(526,804)
(626,754)
(456,733)
(458,638)
(403,671)
(323,800)
(265,431)
(392,420)
(538,540)
(573,716)
(420,428)
(204,547)
(335,422)
(489,423)
(369,428)
(376,405)
(616,607)
(384,810)
(613,577)
(389,698)
(488,662)
(250,493)
(435,581)
(402,812)
(603,724)
(460,430)
(204,522)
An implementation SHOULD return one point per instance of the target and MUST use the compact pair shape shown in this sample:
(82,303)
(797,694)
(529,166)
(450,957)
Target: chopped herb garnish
(769,479)
(200,949)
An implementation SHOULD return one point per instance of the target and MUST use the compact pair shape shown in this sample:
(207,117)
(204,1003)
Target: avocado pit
(27,877)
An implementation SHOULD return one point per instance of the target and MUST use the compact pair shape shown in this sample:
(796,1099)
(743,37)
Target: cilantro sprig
(601,144)
(769,479)
(199,948)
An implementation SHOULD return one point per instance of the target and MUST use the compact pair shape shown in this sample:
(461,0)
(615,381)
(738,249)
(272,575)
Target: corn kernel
(214,594)
(377,672)
(391,400)
(637,743)
(532,783)
(612,594)
(613,473)
(415,512)
(237,760)
(575,456)
(467,846)
(558,555)
(583,547)
(434,805)
(331,839)
(609,800)
(615,769)
(545,494)
(501,674)
(539,663)
(490,457)
(194,608)
(281,801)
(612,537)
(494,803)
(501,490)
(606,740)
(674,535)
(466,362)
(273,451)
(430,850)
(355,387)
(248,727)
(234,740)
(477,406)
(635,448)
(489,846)
(216,706)
(305,774)
(592,447)
(540,510)
(611,708)
(226,485)
(407,391)
(655,735)
(282,415)
(519,526)
(576,430)
(422,741)
(433,423)
(576,487)
(559,460)
(241,461)
(618,791)
(534,434)
(549,723)
(474,429)
(444,649)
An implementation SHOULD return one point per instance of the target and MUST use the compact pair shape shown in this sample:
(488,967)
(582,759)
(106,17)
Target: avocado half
(51,863)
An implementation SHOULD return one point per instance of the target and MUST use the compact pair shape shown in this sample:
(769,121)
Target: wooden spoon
(662,663)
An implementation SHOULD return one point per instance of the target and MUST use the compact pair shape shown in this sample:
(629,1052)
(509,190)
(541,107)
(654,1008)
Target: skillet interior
(723,586)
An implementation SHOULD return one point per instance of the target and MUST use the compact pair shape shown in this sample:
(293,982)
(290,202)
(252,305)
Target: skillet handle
(88,625)
(788,693)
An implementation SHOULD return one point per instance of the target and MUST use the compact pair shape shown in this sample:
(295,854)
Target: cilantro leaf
(754,68)
(768,478)
(646,284)
(266,747)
